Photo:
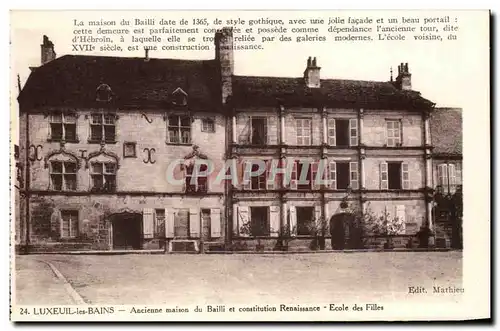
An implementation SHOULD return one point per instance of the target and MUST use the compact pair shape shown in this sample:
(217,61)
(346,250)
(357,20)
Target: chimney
(225,56)
(403,80)
(311,74)
(146,56)
(48,53)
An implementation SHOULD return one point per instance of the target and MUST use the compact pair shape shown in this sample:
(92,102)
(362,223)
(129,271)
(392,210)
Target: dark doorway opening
(344,231)
(305,218)
(127,231)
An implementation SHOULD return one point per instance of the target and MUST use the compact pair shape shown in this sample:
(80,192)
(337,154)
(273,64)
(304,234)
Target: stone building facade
(98,136)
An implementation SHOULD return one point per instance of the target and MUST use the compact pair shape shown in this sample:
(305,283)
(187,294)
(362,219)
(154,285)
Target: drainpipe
(27,187)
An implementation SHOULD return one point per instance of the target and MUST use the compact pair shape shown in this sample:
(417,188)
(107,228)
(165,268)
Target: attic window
(103,93)
(179,97)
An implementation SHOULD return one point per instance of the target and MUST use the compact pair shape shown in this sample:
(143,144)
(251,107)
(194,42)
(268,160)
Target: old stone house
(97,135)
(446,132)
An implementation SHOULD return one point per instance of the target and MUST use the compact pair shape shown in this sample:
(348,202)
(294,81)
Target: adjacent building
(99,135)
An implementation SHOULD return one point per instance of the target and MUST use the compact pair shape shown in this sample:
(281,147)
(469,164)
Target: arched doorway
(344,231)
(127,230)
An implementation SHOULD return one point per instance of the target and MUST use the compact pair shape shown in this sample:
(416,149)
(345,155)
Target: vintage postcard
(250,165)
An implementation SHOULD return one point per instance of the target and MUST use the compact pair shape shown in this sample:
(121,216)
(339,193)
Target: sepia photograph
(233,180)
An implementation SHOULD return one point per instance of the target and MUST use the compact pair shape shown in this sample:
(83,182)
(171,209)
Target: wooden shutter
(452,174)
(247,180)
(333,175)
(401,217)
(244,126)
(148,226)
(354,175)
(215,226)
(272,129)
(243,220)
(458,174)
(317,214)
(332,138)
(169,222)
(314,174)
(194,222)
(405,176)
(384,176)
(293,220)
(294,175)
(353,131)
(274,220)
(236,231)
(270,185)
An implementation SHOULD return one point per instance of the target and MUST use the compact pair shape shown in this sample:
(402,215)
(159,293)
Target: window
(179,129)
(304,131)
(69,223)
(208,125)
(129,149)
(393,133)
(206,222)
(449,177)
(259,221)
(103,93)
(304,184)
(258,182)
(159,225)
(196,182)
(344,175)
(394,176)
(102,128)
(343,132)
(63,127)
(103,176)
(305,220)
(63,175)
(259,131)
(181,223)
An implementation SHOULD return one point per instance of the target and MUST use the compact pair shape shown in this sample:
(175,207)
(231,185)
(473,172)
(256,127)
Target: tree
(383,225)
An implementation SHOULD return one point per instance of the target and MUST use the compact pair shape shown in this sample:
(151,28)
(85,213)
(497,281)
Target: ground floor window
(305,220)
(181,223)
(259,221)
(69,223)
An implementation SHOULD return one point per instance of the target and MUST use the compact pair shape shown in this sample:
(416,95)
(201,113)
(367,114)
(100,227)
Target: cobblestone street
(236,279)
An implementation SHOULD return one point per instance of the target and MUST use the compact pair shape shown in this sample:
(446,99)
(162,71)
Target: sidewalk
(161,251)
(36,284)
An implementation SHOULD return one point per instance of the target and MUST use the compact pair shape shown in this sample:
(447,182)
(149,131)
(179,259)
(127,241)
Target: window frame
(63,174)
(303,127)
(205,122)
(127,144)
(267,231)
(197,186)
(103,116)
(63,122)
(103,175)
(71,235)
(266,128)
(179,129)
(390,133)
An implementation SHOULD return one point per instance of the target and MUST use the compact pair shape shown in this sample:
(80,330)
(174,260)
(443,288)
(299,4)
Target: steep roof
(446,131)
(72,80)
(264,91)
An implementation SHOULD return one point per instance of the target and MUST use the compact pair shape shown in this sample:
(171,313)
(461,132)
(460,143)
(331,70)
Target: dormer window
(179,97)
(104,93)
